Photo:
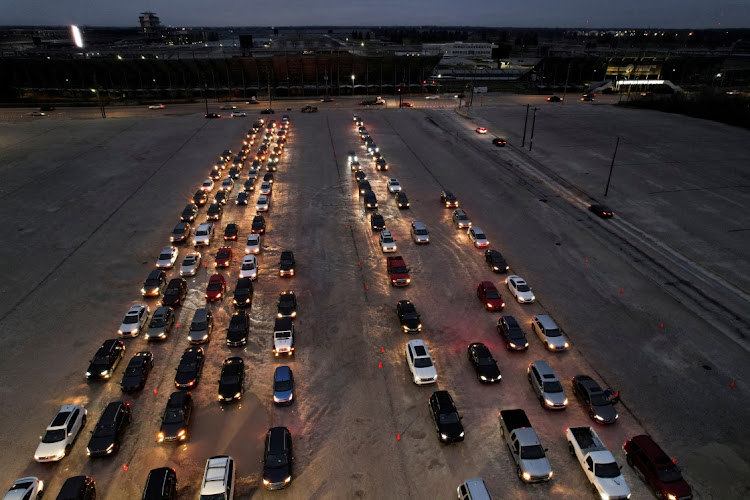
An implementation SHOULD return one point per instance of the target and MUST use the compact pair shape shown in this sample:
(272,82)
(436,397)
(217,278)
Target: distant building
(150,26)
(459,49)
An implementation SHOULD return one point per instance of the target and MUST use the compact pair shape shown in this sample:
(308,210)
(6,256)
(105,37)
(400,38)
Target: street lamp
(353,84)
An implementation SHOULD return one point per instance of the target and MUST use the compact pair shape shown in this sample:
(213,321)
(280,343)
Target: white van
(218,479)
(473,489)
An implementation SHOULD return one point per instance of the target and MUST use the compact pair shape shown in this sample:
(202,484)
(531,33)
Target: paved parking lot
(652,300)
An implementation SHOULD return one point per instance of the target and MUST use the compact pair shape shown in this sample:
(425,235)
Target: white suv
(203,234)
(61,433)
(387,243)
(218,479)
(420,362)
(393,185)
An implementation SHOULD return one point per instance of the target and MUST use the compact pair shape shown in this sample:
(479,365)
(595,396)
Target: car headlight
(406,328)
(494,268)
(88,374)
(605,496)
(482,377)
(548,402)
(671,497)
(104,373)
(489,305)
(597,417)
(275,399)
(565,402)
(238,395)
(566,345)
(507,267)
(119,331)
(143,290)
(408,280)
(526,476)
(221,398)
(443,436)
(109,449)
(512,345)
(266,482)
(419,327)
(160,437)
(287,480)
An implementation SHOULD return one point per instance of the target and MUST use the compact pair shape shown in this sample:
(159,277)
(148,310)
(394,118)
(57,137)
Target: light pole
(353,77)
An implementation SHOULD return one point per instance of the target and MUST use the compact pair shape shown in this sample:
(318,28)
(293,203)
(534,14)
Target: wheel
(83,421)
(519,473)
(541,402)
(546,345)
(571,450)
(629,460)
(67,450)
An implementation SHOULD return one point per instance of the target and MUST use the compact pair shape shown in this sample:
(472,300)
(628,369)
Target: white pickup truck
(598,463)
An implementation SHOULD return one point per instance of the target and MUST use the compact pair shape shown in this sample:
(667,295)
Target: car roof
(156,273)
(282,373)
(544,369)
(276,441)
(487,284)
(215,278)
(417,343)
(652,450)
(511,321)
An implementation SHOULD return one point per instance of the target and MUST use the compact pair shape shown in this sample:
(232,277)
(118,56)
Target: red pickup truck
(398,271)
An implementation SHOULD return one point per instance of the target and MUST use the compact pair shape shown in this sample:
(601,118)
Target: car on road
(327,99)
(215,174)
(477,237)
(591,395)
(242,198)
(161,484)
(248,186)
(189,212)
(201,326)
(156,106)
(419,233)
(175,293)
(175,422)
(481,130)
(215,210)
(190,264)
(268,177)
(106,437)
(26,488)
(200,197)
(460,219)
(61,434)
(520,289)
(446,417)
(286,263)
(189,369)
(420,362)
(355,166)
(554,98)
(267,111)
(370,200)
(231,231)
(448,199)
(377,222)
(135,320)
(218,479)
(602,211)
(496,261)
(259,225)
(204,233)
(588,97)
(227,184)
(238,114)
(243,293)
(359,175)
(283,386)
(223,257)
(249,267)
(216,288)
(408,317)
(483,362)
(265,188)
(489,296)
(106,359)
(78,488)
(278,458)
(499,142)
(659,471)
(136,373)
(167,258)
(406,105)
(510,330)
(402,201)
(252,244)
(387,242)
(232,379)
(161,323)
(431,97)
(548,332)
(546,386)
(221,198)
(381,165)
(154,284)
(208,184)
(263,203)
(227,107)
(363,186)
(239,328)
(287,306)
(180,233)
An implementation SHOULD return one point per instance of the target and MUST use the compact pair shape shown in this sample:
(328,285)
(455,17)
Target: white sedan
(520,289)
(420,362)
(167,258)
(190,264)
(393,185)
(26,488)
(432,97)
(238,113)
(249,267)
(208,184)
(263,203)
(61,433)
(157,106)
(135,320)
(253,244)
(387,243)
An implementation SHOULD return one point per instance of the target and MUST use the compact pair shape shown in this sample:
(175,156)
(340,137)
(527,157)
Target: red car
(481,130)
(224,257)
(658,470)
(406,105)
(216,288)
(490,297)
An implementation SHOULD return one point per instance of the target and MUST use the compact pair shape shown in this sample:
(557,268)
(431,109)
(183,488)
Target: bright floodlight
(77,36)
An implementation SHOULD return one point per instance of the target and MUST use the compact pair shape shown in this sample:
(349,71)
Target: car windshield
(523,288)
(201,232)
(130,319)
(387,239)
(492,294)
(198,326)
(399,270)
(448,418)
(165,256)
(104,430)
(532,452)
(230,379)
(172,291)
(479,236)
(188,261)
(282,385)
(223,254)
(53,436)
(214,286)
(422,363)
(669,475)
(486,362)
(158,321)
(606,470)
(276,460)
(552,332)
(248,266)
(552,386)
(421,232)
(462,217)
(598,399)
(174,417)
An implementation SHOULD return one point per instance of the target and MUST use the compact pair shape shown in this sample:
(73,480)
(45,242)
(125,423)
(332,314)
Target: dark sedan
(510,330)
(598,405)
(496,261)
(231,232)
(189,370)
(377,222)
(287,306)
(200,198)
(239,328)
(106,436)
(243,293)
(175,293)
(483,362)
(136,373)
(189,212)
(602,211)
(259,225)
(408,316)
(232,379)
(176,418)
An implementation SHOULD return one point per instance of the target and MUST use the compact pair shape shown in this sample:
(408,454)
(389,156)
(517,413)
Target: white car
(420,362)
(263,203)
(387,243)
(520,289)
(253,244)
(190,264)
(393,185)
(432,97)
(167,258)
(208,184)
(135,320)
(26,488)
(38,113)
(61,433)
(249,267)
(203,234)
(265,187)
(237,113)
(227,184)
(477,237)
(157,106)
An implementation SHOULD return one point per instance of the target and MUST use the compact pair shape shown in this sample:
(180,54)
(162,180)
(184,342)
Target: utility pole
(533,123)
(99,97)
(612,166)
(565,88)
(525,122)
(268,74)
(205,96)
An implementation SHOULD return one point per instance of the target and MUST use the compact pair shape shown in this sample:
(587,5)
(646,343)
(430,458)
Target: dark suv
(658,470)
(154,284)
(180,233)
(278,458)
(175,292)
(105,439)
(243,293)
(239,328)
(445,415)
(286,263)
(510,330)
(161,484)
(176,418)
(78,488)
(189,213)
(106,359)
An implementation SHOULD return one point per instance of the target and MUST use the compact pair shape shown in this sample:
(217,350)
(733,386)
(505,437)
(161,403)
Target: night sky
(512,13)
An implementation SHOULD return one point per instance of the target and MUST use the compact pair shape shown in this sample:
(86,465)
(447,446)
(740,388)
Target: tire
(571,450)
(67,450)
(541,402)
(629,460)
(519,473)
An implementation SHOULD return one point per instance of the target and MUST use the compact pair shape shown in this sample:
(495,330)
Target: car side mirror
(546,450)
(621,467)
(460,418)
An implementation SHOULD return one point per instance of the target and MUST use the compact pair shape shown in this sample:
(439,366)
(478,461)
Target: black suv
(364,186)
(377,222)
(214,211)
(515,339)
(278,458)
(231,232)
(496,261)
(232,379)
(136,373)
(259,225)
(175,292)
(408,316)
(239,328)
(106,359)
(286,263)
(161,484)
(189,369)
(154,284)
(180,233)
(176,418)
(189,212)
(287,307)
(78,488)
(447,199)
(200,198)
(243,293)
(105,439)
(447,420)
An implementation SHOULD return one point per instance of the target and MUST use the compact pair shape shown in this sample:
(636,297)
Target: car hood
(235,335)
(49,449)
(286,309)
(282,343)
(536,466)
(411,323)
(613,486)
(607,412)
(276,474)
(170,300)
(188,269)
(96,368)
(241,294)
(557,398)
(131,382)
(425,372)
(286,266)
(171,430)
(184,377)
(525,295)
(229,390)
(129,327)
(99,445)
(154,331)
(283,395)
(490,372)
(452,430)
(556,342)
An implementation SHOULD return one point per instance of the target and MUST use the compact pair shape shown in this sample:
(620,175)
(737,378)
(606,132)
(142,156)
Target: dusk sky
(512,13)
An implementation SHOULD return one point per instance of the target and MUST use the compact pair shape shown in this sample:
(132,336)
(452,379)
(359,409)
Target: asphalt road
(88,204)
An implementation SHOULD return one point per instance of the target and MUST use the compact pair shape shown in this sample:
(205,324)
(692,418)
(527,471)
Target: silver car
(387,243)
(265,187)
(134,321)
(190,264)
(548,332)
(227,184)
(167,258)
(546,385)
(262,204)
(161,323)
